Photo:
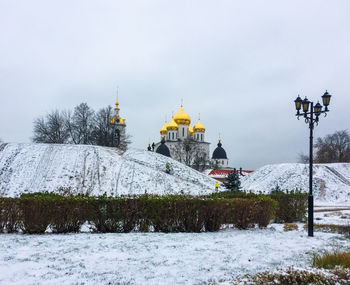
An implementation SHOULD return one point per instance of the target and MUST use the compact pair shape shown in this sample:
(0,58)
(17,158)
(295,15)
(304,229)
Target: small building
(221,174)
(219,158)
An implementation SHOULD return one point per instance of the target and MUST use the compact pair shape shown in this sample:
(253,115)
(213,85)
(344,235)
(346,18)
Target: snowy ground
(156,258)
(332,215)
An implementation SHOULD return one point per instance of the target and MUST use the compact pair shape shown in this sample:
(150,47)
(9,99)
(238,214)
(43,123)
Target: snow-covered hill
(331,181)
(96,170)
(93,170)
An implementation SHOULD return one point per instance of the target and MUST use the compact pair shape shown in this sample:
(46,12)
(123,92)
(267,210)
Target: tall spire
(117,102)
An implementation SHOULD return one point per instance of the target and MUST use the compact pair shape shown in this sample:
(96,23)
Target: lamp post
(311,116)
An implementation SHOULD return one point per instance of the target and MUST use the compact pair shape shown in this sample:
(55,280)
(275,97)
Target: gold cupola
(182,118)
(117,120)
(172,126)
(163,130)
(190,131)
(199,128)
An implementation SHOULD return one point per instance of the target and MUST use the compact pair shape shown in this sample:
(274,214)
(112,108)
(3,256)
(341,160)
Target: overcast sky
(239,63)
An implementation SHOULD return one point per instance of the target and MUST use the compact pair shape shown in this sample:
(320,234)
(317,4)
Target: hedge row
(292,206)
(32,214)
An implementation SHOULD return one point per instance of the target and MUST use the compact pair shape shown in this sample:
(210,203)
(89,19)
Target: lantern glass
(326,97)
(298,102)
(306,104)
(317,109)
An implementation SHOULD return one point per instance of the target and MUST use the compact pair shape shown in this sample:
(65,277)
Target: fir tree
(277,190)
(233,183)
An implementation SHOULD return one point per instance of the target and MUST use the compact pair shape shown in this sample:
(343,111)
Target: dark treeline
(332,148)
(81,126)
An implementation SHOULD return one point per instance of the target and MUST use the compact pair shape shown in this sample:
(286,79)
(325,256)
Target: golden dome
(172,126)
(182,118)
(190,131)
(114,120)
(199,127)
(163,130)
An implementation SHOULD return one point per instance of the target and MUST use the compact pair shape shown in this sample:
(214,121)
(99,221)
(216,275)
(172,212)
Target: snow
(156,258)
(97,170)
(334,217)
(94,170)
(331,181)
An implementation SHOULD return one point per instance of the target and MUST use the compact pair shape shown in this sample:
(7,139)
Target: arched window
(173,135)
(183,132)
(222,162)
(201,137)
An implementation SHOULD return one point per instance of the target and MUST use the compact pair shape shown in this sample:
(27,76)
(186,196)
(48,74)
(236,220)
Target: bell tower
(118,128)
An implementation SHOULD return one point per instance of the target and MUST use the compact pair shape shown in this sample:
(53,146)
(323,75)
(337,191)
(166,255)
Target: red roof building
(221,174)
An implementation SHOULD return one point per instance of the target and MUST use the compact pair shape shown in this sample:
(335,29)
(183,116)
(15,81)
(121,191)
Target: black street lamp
(311,116)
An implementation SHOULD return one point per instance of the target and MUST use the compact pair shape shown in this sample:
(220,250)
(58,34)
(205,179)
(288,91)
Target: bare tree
(51,129)
(215,164)
(303,158)
(102,133)
(83,126)
(200,161)
(333,148)
(80,124)
(189,152)
(124,142)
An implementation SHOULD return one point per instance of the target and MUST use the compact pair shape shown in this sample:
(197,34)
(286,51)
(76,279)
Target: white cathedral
(181,141)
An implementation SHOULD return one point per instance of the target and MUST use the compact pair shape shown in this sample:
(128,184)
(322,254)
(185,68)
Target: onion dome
(172,126)
(219,152)
(199,128)
(190,131)
(163,130)
(182,118)
(163,149)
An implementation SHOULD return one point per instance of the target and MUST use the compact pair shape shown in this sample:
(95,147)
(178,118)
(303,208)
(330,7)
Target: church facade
(184,142)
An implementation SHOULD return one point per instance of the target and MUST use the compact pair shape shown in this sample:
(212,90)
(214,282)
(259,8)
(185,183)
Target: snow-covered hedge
(33,213)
